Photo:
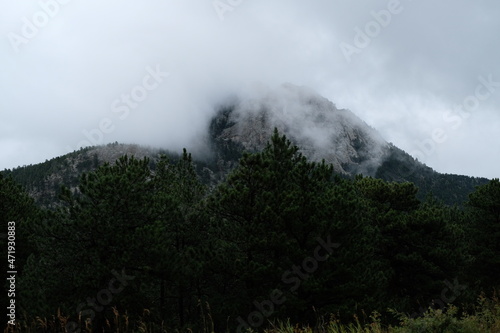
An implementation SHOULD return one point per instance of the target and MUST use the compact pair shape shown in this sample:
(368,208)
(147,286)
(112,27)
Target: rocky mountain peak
(310,121)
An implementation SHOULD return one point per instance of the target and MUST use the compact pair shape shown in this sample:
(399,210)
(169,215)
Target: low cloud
(64,79)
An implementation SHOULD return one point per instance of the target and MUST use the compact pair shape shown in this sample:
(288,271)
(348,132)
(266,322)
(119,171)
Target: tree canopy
(281,237)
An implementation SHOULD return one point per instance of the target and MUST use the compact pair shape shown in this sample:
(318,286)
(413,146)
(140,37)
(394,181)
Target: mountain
(324,132)
(310,121)
(44,180)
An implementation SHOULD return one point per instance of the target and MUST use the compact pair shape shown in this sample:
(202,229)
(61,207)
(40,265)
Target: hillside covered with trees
(281,238)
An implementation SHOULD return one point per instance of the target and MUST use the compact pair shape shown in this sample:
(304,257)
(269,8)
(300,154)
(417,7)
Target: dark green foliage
(281,237)
(484,213)
(96,232)
(128,218)
(422,244)
(15,206)
(43,181)
(180,238)
(451,189)
(275,206)
(35,178)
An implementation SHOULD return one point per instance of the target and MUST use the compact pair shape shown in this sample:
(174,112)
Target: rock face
(311,122)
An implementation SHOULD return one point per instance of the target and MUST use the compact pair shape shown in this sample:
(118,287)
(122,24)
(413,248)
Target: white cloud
(64,80)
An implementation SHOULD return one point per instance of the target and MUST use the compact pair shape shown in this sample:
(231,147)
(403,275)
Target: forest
(146,246)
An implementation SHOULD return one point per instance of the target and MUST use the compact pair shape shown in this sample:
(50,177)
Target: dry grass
(484,318)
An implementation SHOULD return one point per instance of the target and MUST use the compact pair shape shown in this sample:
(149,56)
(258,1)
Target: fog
(76,73)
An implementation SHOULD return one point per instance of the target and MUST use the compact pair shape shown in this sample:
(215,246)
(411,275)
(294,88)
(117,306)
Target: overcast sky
(425,74)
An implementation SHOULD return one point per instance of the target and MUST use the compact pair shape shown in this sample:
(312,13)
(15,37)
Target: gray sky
(424,73)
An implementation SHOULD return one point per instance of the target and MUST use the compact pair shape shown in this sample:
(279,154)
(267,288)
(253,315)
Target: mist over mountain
(313,123)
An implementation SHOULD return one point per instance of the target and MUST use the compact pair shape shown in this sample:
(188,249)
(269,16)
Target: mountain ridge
(310,121)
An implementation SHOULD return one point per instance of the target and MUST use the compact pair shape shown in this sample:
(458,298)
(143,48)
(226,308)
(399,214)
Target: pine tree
(124,219)
(181,236)
(484,212)
(273,209)
(17,213)
(98,233)
(421,244)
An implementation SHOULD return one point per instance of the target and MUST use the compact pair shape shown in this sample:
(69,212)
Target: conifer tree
(273,208)
(484,212)
(99,233)
(179,238)
(17,213)
(422,245)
